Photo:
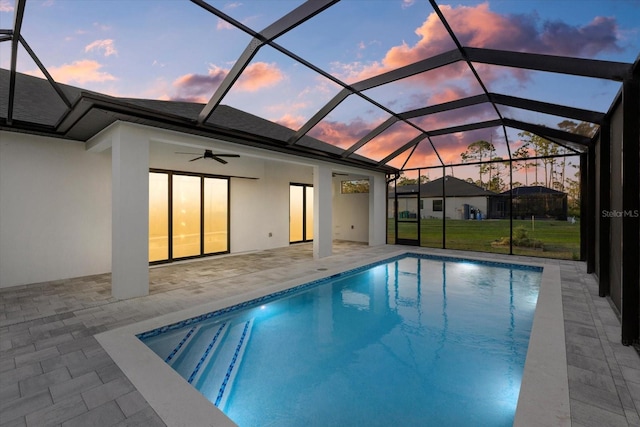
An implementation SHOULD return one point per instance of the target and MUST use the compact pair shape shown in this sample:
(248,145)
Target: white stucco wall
(55,210)
(350,215)
(261,207)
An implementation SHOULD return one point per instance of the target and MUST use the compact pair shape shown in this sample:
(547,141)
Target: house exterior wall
(55,210)
(454,207)
(56,206)
(350,215)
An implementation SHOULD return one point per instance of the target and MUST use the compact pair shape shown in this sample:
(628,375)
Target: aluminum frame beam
(548,133)
(17,26)
(291,20)
(548,108)
(415,141)
(418,67)
(445,106)
(609,70)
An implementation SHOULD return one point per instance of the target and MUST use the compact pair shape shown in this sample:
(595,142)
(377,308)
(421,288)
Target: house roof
(38,108)
(454,187)
(532,190)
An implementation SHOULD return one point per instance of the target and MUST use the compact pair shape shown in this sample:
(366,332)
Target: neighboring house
(537,201)
(464,199)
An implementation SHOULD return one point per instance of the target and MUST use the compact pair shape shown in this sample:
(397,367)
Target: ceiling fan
(208,154)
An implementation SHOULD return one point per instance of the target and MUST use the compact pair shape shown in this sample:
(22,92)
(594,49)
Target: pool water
(415,341)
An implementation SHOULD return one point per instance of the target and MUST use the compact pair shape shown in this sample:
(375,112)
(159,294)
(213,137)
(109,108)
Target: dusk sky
(175,50)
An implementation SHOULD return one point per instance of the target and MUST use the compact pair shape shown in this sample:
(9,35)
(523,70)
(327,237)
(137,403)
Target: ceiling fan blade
(201,157)
(227,155)
(218,159)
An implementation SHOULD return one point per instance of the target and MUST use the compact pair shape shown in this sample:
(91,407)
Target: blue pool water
(414,341)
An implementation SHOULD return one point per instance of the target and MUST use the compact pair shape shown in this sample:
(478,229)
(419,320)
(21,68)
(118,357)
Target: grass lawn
(560,239)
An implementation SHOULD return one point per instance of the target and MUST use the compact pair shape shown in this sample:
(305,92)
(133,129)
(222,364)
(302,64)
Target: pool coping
(543,399)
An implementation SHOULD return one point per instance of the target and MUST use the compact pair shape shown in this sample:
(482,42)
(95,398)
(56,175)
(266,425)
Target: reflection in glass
(158,216)
(216,218)
(186,216)
(296,193)
(309,213)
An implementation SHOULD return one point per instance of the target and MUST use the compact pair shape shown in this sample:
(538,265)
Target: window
(355,186)
(437,205)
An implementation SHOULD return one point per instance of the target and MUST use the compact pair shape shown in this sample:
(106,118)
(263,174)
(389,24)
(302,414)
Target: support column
(604,204)
(377,210)
(130,213)
(631,209)
(322,212)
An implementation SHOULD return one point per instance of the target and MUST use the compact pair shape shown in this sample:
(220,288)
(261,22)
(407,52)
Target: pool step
(216,380)
(169,344)
(201,344)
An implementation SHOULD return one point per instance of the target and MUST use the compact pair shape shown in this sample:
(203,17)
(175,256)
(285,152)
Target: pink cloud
(258,76)
(291,121)
(478,26)
(6,6)
(81,72)
(342,135)
(200,87)
(387,142)
(107,46)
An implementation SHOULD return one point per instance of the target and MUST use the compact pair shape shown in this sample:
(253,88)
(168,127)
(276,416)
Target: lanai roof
(408,121)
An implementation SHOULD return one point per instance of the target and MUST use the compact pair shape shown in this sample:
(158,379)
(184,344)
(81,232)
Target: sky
(175,50)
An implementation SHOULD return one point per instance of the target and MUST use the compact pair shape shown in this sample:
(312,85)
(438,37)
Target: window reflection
(186,216)
(295,213)
(158,216)
(216,216)
(300,213)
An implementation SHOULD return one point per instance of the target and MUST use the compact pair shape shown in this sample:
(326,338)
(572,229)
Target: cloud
(107,46)
(6,6)
(200,87)
(600,35)
(223,25)
(407,3)
(259,75)
(291,121)
(342,135)
(81,72)
(478,26)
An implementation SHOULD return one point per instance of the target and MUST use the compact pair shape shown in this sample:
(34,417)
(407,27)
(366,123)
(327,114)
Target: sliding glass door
(158,216)
(186,208)
(188,215)
(300,213)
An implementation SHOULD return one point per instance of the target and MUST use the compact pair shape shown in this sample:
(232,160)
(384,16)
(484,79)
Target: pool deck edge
(544,394)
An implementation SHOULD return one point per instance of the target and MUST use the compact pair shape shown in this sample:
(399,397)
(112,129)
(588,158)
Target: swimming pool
(428,338)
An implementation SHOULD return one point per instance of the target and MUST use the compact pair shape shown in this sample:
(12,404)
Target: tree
(479,151)
(542,147)
(522,154)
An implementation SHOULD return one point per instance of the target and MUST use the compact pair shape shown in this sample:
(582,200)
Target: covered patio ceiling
(303,80)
